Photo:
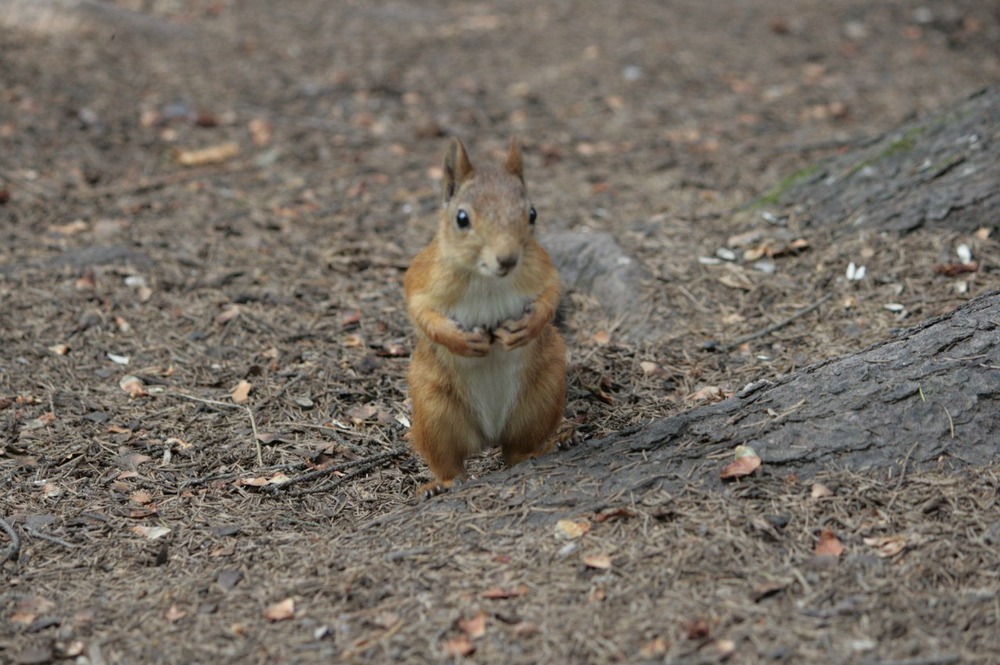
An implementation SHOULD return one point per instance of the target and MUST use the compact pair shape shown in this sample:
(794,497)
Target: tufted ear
(457,169)
(515,165)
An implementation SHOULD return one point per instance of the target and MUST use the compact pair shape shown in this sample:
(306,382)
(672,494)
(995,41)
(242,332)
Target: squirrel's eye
(462,219)
(532,216)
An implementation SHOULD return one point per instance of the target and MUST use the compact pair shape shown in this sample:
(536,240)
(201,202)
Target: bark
(938,171)
(930,397)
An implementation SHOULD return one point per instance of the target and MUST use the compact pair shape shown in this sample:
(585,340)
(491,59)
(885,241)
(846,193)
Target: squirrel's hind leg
(445,435)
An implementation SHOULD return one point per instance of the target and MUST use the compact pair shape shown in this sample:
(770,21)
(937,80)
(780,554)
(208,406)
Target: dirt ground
(163,515)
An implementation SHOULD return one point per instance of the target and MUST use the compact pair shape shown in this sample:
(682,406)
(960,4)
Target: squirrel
(489,367)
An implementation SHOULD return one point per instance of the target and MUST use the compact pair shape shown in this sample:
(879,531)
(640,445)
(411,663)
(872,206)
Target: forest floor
(207,209)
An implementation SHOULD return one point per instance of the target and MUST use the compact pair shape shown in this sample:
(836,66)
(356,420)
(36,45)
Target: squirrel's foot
(435,487)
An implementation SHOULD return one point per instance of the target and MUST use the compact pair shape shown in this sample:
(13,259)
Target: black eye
(532,216)
(462,219)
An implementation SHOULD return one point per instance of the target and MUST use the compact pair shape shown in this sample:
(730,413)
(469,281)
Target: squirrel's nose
(507,262)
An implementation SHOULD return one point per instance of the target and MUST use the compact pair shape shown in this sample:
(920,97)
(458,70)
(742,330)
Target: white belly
(492,383)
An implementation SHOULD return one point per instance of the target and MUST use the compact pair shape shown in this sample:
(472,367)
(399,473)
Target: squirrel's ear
(515,165)
(457,168)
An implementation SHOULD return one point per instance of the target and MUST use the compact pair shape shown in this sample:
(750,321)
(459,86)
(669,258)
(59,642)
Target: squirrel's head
(486,217)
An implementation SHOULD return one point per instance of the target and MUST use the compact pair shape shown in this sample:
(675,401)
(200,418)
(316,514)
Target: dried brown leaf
(829,544)
(614,513)
(820,491)
(459,646)
(598,561)
(747,461)
(151,532)
(280,611)
(216,154)
(241,393)
(570,529)
(133,386)
(887,546)
(141,497)
(174,614)
(474,627)
(229,313)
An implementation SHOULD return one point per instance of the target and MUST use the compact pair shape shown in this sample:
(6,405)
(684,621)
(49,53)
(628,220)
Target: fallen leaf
(651,369)
(51,490)
(698,629)
(713,393)
(736,281)
(216,154)
(953,269)
(175,614)
(70,228)
(151,532)
(229,313)
(41,421)
(820,491)
(279,478)
(724,648)
(747,461)
(281,610)
(133,386)
(598,561)
(362,412)
(829,544)
(141,497)
(385,620)
(261,131)
(525,629)
(29,609)
(498,593)
(354,341)
(241,393)
(602,337)
(181,444)
(474,627)
(87,282)
(654,649)
(614,513)
(887,546)
(459,646)
(570,529)
(350,318)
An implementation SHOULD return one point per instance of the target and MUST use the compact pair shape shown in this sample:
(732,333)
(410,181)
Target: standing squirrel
(489,368)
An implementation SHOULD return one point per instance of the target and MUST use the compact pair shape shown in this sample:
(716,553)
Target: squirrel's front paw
(514,333)
(470,343)
(476,342)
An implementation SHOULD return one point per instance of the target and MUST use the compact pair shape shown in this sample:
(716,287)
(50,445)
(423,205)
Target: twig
(775,326)
(162,181)
(945,659)
(951,423)
(52,539)
(363,465)
(14,549)
(253,422)
(226,475)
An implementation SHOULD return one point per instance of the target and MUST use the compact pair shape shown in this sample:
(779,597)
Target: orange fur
(489,368)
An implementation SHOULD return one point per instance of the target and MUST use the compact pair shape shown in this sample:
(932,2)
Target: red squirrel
(489,367)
